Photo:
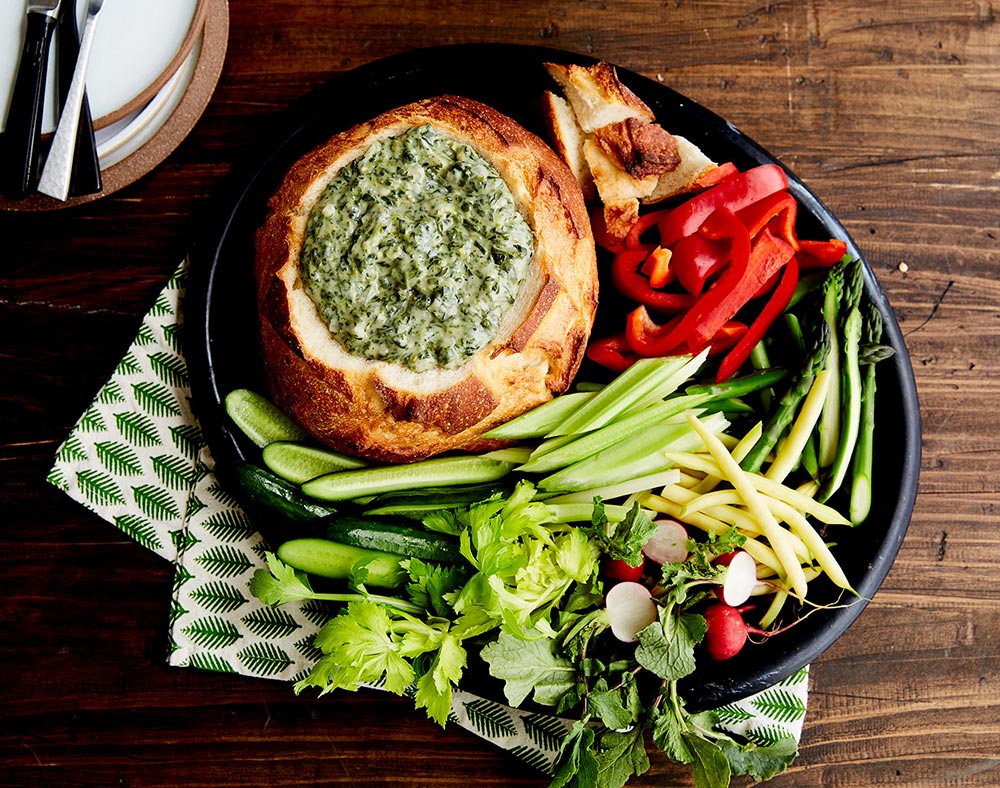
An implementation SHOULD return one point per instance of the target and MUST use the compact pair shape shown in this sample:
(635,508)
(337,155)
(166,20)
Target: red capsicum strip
(726,337)
(612,352)
(712,310)
(695,258)
(732,193)
(819,254)
(755,333)
(778,209)
(632,284)
(633,239)
(716,175)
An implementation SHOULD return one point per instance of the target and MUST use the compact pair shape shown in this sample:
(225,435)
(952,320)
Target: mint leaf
(761,763)
(710,765)
(528,666)
(576,765)
(619,756)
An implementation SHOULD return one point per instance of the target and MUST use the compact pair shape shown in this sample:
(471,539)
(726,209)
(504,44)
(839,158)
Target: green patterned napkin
(137,458)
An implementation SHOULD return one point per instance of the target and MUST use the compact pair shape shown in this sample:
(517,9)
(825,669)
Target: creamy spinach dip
(415,251)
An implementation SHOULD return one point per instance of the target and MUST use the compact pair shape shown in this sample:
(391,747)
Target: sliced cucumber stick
(324,558)
(436,472)
(299,463)
(261,420)
(272,494)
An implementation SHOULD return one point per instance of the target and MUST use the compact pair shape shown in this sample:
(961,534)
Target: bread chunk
(384,410)
(627,156)
(597,96)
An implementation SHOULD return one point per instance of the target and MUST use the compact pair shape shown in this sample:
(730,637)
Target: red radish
(726,631)
(630,607)
(616,569)
(668,544)
(740,578)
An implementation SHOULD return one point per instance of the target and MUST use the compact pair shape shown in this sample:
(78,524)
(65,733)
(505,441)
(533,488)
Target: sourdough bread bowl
(329,332)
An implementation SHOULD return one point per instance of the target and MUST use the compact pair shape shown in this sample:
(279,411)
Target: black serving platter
(221,318)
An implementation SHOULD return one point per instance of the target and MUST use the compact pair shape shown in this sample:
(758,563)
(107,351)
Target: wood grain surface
(890,112)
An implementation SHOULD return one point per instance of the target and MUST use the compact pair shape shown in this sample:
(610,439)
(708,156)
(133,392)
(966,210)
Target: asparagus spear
(850,380)
(786,407)
(861,473)
(829,422)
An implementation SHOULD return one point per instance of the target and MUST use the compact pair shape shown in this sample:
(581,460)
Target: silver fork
(59,164)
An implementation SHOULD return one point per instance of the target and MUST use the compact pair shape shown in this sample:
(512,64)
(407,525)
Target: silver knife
(23,126)
(58,169)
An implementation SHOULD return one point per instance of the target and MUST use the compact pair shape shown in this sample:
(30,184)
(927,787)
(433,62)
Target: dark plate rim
(705,689)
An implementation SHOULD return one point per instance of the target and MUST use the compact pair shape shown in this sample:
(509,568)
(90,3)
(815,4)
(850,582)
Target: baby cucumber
(325,558)
(299,463)
(269,493)
(390,537)
(439,471)
(261,420)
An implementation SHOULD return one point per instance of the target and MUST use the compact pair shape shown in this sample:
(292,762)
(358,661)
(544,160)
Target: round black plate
(221,318)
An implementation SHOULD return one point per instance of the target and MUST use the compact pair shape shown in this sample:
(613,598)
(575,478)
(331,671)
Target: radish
(668,544)
(630,607)
(740,577)
(726,631)
(616,569)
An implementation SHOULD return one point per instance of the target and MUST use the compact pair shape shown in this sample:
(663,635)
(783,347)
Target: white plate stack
(153,68)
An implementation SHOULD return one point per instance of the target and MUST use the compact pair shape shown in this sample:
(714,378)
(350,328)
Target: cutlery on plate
(86,177)
(59,164)
(24,116)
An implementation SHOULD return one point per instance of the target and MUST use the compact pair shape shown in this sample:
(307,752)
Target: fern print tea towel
(136,457)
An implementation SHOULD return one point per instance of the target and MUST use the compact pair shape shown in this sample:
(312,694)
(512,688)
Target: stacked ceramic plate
(153,67)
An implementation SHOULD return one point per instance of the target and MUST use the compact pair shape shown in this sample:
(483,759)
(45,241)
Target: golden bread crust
(384,411)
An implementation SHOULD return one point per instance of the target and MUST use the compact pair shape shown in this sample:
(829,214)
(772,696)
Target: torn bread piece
(639,148)
(693,165)
(619,192)
(597,96)
(567,138)
(610,139)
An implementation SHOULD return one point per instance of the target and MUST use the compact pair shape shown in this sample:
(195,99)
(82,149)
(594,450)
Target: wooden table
(890,112)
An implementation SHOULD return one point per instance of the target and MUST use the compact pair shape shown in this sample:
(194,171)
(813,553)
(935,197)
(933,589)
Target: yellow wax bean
(776,536)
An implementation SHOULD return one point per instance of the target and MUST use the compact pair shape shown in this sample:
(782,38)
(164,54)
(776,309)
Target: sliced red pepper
(821,254)
(779,210)
(726,337)
(633,239)
(733,193)
(775,306)
(632,284)
(651,339)
(711,311)
(695,258)
(612,352)
(716,175)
